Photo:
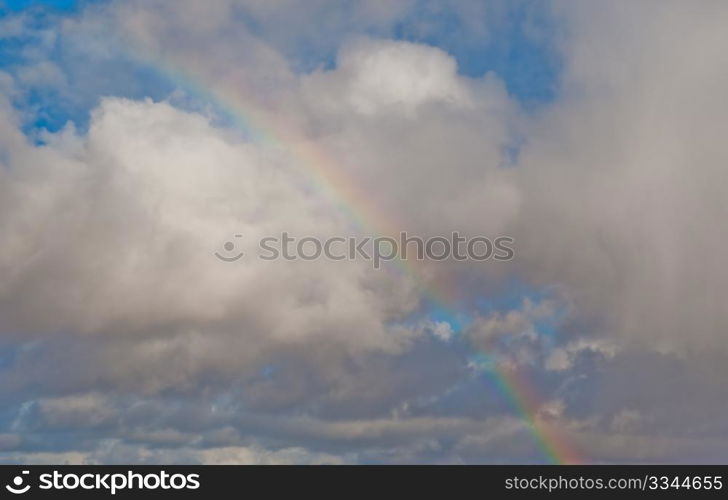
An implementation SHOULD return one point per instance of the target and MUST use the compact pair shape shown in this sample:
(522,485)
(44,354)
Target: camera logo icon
(230,252)
(17,487)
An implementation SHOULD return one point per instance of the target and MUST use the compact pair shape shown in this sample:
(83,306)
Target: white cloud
(374,77)
(113,234)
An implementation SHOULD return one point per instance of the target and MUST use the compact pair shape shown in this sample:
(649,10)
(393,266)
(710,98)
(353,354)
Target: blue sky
(520,50)
(59,5)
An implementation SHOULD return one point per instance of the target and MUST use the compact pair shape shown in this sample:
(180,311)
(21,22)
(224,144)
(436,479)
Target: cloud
(622,176)
(211,456)
(389,77)
(106,233)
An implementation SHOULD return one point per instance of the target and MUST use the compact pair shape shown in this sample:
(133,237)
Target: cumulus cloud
(113,234)
(390,77)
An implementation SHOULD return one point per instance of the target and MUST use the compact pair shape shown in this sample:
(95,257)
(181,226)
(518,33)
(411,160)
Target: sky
(137,138)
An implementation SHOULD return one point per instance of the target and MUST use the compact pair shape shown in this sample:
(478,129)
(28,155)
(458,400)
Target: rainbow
(325,175)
